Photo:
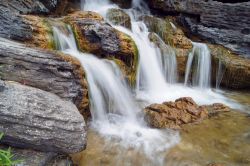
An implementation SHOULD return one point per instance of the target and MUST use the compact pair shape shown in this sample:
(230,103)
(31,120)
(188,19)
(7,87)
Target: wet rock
(32,118)
(119,17)
(213,20)
(47,70)
(98,37)
(173,36)
(174,114)
(228,69)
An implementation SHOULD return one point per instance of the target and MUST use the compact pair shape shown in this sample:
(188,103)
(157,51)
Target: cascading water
(153,86)
(200,59)
(113,108)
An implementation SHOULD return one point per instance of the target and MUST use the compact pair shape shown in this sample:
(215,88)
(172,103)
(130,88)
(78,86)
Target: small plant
(6,156)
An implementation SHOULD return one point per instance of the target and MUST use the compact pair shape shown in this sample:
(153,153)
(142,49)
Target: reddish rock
(182,111)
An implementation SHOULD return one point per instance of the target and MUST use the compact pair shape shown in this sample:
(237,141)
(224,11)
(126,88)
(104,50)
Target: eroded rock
(47,70)
(97,37)
(174,114)
(32,118)
(213,20)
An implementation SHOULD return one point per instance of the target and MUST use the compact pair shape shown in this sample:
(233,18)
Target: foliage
(6,157)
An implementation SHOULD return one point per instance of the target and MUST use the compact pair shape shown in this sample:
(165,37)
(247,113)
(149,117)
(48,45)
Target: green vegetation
(6,157)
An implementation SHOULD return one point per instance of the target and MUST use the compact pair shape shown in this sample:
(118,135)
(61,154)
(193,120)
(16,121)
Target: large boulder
(181,112)
(213,20)
(32,118)
(97,37)
(47,70)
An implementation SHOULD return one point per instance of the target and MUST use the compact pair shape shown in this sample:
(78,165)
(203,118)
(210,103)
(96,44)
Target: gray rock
(222,23)
(13,26)
(46,70)
(123,3)
(32,118)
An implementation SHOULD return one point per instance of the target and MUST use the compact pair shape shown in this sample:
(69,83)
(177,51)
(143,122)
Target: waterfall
(199,66)
(219,75)
(115,112)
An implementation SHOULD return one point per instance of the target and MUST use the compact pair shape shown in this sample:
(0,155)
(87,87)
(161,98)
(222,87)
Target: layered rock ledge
(222,23)
(32,118)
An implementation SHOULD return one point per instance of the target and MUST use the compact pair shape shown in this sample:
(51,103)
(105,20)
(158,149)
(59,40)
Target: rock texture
(119,17)
(228,69)
(223,23)
(176,114)
(32,118)
(98,37)
(30,6)
(167,29)
(50,71)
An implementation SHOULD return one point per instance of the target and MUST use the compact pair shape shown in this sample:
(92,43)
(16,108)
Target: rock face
(98,37)
(32,118)
(228,69)
(119,17)
(176,114)
(50,71)
(173,36)
(223,23)
(30,6)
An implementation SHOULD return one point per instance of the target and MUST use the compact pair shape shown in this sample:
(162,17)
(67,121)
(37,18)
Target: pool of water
(221,139)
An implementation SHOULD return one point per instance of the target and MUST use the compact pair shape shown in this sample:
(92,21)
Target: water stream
(116,114)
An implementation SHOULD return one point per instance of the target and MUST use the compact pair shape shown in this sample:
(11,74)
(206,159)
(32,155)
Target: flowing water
(113,108)
(117,134)
(199,65)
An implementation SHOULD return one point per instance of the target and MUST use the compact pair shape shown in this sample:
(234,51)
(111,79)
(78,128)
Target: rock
(209,21)
(216,108)
(32,30)
(32,118)
(97,37)
(174,114)
(36,158)
(47,70)
(30,6)
(123,3)
(234,69)
(13,26)
(119,17)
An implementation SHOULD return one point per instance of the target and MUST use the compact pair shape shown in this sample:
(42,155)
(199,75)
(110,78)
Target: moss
(83,104)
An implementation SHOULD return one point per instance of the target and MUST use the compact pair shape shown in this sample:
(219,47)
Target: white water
(113,108)
(199,64)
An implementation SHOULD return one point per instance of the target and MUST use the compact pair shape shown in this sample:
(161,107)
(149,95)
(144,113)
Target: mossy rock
(119,17)
(95,36)
(235,69)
